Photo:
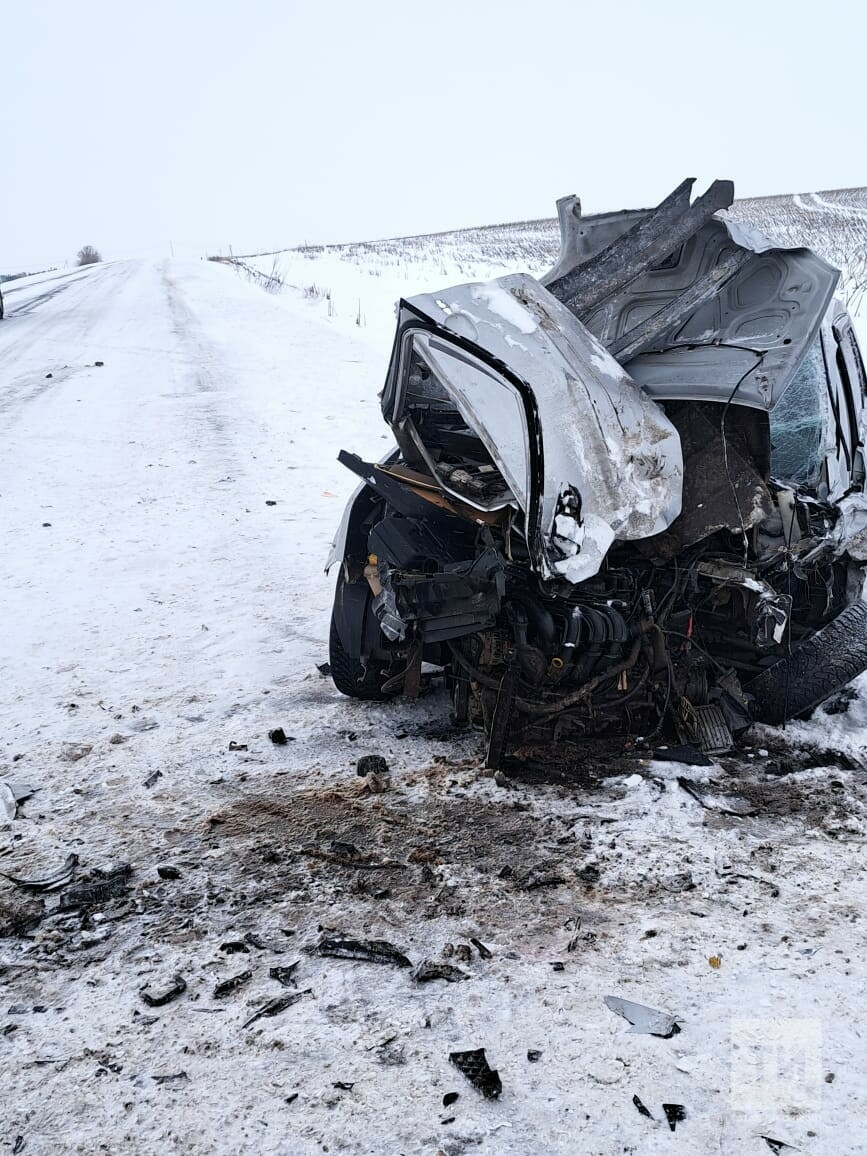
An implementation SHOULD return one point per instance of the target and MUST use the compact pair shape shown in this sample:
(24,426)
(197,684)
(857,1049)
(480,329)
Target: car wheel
(820,666)
(351,676)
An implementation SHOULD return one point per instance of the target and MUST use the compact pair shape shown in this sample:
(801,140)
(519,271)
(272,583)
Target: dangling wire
(722,426)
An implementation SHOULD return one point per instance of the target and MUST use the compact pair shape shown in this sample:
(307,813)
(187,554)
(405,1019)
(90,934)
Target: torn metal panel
(648,241)
(720,305)
(610,458)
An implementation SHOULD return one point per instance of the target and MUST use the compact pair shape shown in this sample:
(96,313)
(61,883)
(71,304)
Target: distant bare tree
(88,255)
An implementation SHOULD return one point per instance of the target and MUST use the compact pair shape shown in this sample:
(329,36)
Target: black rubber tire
(349,675)
(820,666)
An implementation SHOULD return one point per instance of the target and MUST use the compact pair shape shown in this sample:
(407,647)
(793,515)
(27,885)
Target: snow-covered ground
(157,607)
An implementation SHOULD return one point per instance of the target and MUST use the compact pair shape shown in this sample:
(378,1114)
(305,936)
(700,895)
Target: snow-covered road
(138,548)
(156,608)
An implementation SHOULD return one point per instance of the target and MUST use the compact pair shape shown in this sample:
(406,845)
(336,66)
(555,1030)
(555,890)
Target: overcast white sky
(133,124)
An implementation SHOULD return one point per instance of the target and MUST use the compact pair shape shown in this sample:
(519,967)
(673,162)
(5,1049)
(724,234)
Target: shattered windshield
(799,422)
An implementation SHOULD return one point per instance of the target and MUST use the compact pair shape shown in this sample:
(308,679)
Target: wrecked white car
(627,498)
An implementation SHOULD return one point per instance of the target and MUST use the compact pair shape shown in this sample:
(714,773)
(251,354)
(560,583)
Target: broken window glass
(800,421)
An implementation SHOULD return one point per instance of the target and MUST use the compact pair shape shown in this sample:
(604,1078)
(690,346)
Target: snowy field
(165,519)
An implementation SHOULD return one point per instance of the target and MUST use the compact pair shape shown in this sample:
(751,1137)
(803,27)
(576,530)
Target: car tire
(822,665)
(350,675)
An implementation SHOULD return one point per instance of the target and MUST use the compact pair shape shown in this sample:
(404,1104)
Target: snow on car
(626,497)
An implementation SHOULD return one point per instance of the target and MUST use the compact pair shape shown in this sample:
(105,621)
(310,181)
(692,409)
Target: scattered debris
(777,1145)
(178,988)
(151,779)
(474,1065)
(641,1108)
(284,976)
(463,953)
(645,1020)
(270,502)
(324,669)
(675,1114)
(234,947)
(233,746)
(166,871)
(109,885)
(715,961)
(371,765)
(536,878)
(449,1098)
(229,985)
(278,737)
(557,965)
(257,941)
(343,1086)
(292,1098)
(275,1006)
(430,969)
(171,1078)
(484,952)
(63,875)
(365,950)
(533,1055)
(724,804)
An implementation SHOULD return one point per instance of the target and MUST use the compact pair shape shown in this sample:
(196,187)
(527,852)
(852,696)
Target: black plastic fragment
(167,872)
(292,1098)
(285,975)
(641,1108)
(675,1114)
(340,946)
(229,985)
(533,1055)
(484,952)
(234,947)
(776,1145)
(449,1098)
(178,988)
(256,941)
(63,875)
(151,779)
(475,1067)
(278,737)
(110,885)
(430,969)
(275,1006)
(371,765)
(343,1086)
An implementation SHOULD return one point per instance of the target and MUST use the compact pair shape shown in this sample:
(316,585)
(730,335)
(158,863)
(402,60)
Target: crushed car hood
(693,305)
(603,461)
